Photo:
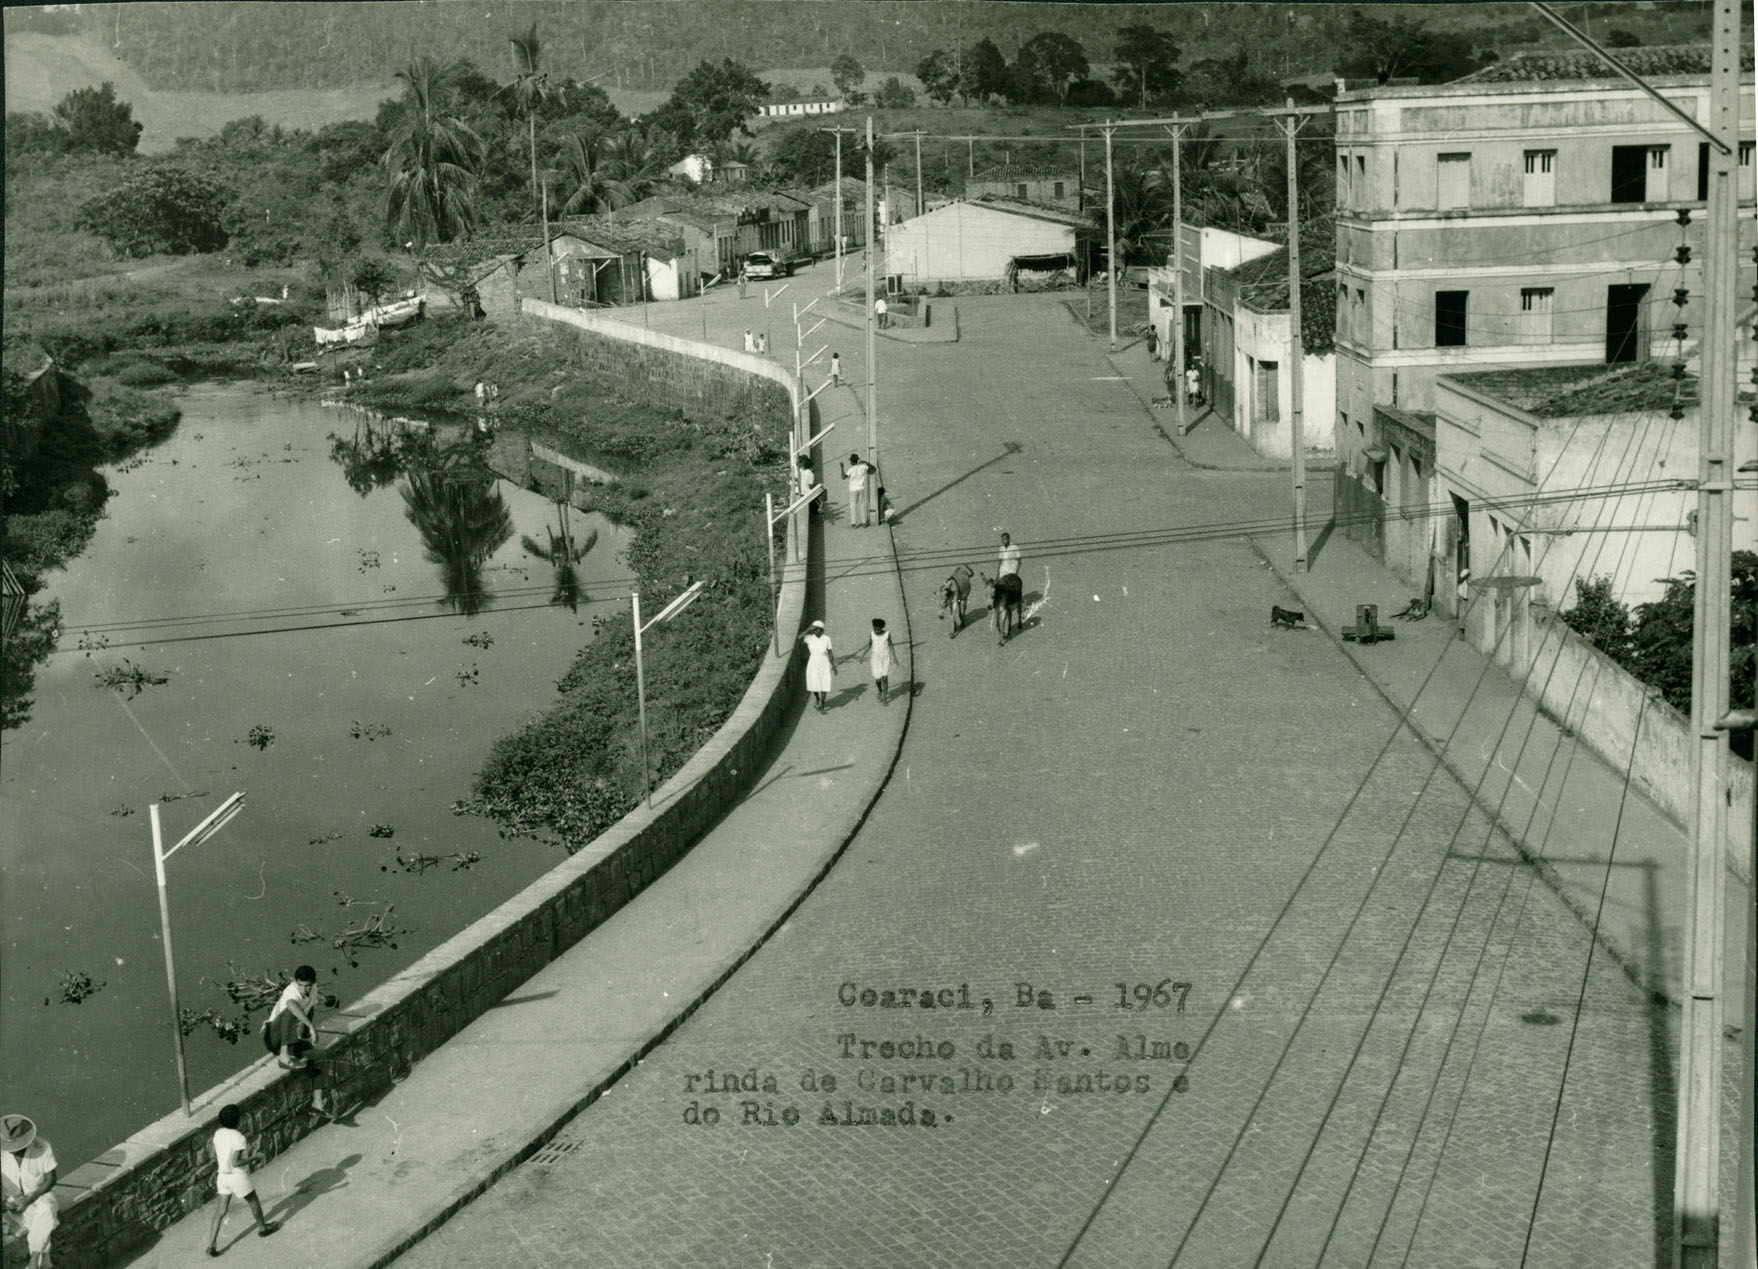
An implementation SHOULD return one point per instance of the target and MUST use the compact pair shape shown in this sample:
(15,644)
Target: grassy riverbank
(691,489)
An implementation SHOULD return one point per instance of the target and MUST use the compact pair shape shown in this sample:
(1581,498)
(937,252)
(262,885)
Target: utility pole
(548,247)
(1110,237)
(1176,352)
(1296,384)
(919,208)
(837,133)
(872,336)
(1696,1212)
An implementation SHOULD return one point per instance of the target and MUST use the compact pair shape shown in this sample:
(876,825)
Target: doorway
(1623,323)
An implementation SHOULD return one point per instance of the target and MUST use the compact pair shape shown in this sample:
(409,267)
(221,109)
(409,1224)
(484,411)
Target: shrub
(144,374)
(162,209)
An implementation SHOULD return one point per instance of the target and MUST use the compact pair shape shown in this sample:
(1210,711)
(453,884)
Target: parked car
(768,264)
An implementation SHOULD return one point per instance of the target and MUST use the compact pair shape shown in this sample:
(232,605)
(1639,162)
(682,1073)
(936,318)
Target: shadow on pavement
(1008,450)
(311,1187)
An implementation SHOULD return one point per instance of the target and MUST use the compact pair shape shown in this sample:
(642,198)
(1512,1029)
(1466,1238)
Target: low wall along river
(165,1171)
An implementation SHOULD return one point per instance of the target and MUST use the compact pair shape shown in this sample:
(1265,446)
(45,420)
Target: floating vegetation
(178,797)
(421,863)
(482,640)
(303,933)
(131,676)
(261,736)
(122,808)
(368,559)
(467,677)
(368,731)
(331,836)
(76,985)
(381,830)
(90,643)
(228,1029)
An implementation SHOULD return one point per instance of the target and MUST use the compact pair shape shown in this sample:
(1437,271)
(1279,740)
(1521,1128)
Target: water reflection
(378,452)
(453,499)
(563,552)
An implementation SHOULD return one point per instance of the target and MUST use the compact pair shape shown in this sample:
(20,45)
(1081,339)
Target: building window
(1019,191)
(1745,154)
(1541,179)
(1266,392)
(1703,168)
(1449,318)
(1629,173)
(1361,196)
(1343,327)
(1453,186)
(1535,314)
(1342,181)
(1059,187)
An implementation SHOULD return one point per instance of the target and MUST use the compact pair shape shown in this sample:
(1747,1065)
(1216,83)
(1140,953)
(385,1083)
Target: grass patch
(693,496)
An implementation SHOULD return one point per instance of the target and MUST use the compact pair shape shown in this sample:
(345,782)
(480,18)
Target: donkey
(1006,603)
(955,594)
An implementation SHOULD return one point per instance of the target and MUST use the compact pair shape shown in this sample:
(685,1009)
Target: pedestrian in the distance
(291,1033)
(27,1178)
(1192,384)
(742,283)
(820,665)
(1153,344)
(836,370)
(879,660)
(232,1150)
(881,312)
(857,472)
(750,341)
(481,394)
(762,343)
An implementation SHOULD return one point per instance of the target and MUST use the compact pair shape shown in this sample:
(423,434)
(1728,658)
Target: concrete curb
(1630,965)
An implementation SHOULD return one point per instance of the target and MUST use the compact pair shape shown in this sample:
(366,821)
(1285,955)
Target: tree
(33,133)
(432,160)
(1147,63)
(848,75)
(94,120)
(1402,48)
(634,161)
(163,209)
(939,77)
(456,507)
(583,184)
(1600,617)
(710,103)
(530,87)
(1053,61)
(1141,209)
(894,94)
(984,74)
(1661,637)
(373,277)
(804,156)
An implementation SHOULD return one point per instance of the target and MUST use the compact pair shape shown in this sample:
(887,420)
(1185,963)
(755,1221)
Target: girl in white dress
(820,665)
(879,659)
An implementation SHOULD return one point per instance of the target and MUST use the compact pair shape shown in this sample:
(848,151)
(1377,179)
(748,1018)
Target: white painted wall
(1264,337)
(966,242)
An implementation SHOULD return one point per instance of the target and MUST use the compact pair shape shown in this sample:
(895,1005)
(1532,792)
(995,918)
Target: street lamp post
(220,817)
(671,610)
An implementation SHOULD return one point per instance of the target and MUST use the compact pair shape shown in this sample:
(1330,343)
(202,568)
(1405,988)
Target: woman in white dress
(879,659)
(820,665)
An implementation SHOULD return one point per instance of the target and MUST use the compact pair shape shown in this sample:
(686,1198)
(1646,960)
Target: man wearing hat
(27,1178)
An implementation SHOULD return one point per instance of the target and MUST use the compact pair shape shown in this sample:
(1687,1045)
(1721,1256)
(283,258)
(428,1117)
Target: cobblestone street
(1165,944)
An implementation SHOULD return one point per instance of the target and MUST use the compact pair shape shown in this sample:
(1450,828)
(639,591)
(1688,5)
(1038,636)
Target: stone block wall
(165,1171)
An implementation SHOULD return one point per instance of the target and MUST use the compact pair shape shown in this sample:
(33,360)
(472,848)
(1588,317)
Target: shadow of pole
(1008,451)
(1662,1085)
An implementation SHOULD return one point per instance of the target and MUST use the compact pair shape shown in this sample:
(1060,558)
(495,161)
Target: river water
(344,612)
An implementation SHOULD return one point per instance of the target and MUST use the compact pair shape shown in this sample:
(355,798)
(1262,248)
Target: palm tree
(1141,209)
(433,159)
(634,157)
(562,554)
(457,508)
(530,88)
(580,171)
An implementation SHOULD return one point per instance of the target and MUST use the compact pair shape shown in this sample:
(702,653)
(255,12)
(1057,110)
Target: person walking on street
(743,282)
(232,1150)
(820,664)
(881,312)
(27,1177)
(836,370)
(291,1033)
(858,473)
(1009,557)
(762,343)
(750,341)
(879,660)
(1153,344)
(1193,384)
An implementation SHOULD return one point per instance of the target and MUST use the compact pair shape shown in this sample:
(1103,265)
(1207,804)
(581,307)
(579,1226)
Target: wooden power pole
(1296,350)
(872,322)
(1175,354)
(1110,237)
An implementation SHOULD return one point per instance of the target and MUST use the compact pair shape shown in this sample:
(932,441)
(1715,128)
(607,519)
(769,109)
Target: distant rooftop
(1579,63)
(1554,392)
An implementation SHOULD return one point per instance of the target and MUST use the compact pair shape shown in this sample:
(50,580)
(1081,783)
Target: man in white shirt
(27,1177)
(1009,557)
(880,311)
(859,504)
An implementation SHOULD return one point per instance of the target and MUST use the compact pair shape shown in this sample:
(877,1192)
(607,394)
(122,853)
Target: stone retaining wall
(166,1171)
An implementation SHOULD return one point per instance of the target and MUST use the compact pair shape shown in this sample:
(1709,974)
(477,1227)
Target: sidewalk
(1574,817)
(360,1192)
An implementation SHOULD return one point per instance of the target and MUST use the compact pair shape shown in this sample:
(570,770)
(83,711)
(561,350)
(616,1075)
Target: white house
(798,107)
(1199,247)
(992,240)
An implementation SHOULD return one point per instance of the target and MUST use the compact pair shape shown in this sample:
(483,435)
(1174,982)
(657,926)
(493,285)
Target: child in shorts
(232,1151)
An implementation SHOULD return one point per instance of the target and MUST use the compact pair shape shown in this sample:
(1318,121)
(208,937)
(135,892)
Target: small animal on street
(1415,610)
(955,594)
(1006,602)
(1289,618)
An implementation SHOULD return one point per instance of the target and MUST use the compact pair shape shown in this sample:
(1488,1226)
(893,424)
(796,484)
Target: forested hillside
(239,47)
